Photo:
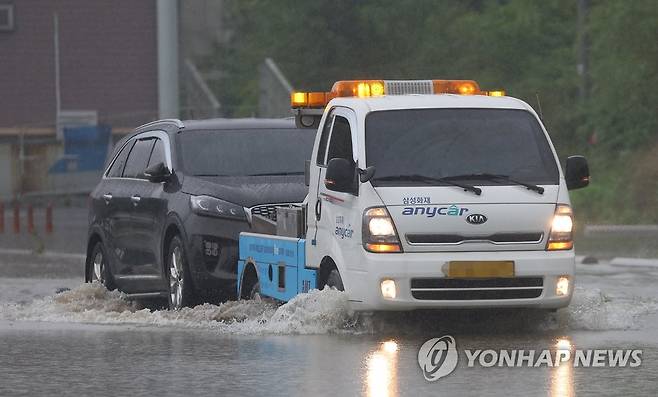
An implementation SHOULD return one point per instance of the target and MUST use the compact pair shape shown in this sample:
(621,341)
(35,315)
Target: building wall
(6,170)
(108,61)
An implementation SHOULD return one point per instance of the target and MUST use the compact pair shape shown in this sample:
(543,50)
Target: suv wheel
(98,269)
(180,285)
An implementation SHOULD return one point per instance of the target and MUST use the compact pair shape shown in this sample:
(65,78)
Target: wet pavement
(88,341)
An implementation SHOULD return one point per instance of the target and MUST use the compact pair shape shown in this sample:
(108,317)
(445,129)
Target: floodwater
(88,341)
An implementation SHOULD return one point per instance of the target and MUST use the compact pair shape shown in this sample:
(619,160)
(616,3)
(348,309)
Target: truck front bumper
(541,267)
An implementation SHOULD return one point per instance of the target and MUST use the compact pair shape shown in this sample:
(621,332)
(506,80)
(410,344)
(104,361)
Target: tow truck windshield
(475,146)
(257,152)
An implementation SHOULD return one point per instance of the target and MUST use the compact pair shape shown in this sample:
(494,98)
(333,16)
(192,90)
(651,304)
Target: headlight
(561,237)
(381,227)
(211,206)
(562,224)
(379,233)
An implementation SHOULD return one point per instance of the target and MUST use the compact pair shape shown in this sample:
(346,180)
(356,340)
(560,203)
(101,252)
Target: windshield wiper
(493,177)
(429,180)
(278,173)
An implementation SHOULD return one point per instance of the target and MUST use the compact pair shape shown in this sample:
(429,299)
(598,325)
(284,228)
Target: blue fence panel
(85,149)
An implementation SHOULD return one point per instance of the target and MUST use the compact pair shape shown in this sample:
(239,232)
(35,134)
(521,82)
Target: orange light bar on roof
(358,88)
(495,93)
(461,87)
(375,88)
(299,99)
(309,99)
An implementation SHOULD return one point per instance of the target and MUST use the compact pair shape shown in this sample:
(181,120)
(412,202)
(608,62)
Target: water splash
(317,312)
(328,311)
(593,309)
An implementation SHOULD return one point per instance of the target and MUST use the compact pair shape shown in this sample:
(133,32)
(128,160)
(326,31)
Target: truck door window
(340,145)
(322,148)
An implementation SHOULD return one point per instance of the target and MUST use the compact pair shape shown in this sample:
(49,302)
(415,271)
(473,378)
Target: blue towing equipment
(279,263)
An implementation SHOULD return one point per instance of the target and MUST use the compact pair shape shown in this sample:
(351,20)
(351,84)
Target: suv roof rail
(175,122)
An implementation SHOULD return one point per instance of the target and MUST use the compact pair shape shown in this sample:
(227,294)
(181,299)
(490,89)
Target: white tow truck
(423,194)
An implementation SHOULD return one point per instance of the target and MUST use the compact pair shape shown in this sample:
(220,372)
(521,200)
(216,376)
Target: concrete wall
(34,176)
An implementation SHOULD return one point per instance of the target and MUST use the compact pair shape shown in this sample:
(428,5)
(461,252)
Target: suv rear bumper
(365,291)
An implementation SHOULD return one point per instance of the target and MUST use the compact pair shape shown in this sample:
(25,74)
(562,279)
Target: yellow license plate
(480,269)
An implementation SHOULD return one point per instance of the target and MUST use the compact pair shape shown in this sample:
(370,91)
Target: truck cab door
(335,220)
(317,170)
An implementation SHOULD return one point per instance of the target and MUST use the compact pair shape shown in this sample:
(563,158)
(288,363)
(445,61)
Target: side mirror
(158,172)
(341,176)
(577,173)
(367,174)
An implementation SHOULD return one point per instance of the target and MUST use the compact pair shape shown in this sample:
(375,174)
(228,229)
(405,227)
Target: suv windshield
(458,144)
(246,152)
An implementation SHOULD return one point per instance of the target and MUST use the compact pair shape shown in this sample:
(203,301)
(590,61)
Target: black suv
(165,218)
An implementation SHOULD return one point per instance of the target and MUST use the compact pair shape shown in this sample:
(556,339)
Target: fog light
(388,289)
(562,286)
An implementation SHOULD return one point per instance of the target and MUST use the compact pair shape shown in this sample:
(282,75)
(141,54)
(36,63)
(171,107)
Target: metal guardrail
(274,91)
(630,229)
(201,101)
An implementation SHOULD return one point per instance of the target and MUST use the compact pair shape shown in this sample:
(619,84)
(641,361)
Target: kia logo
(476,219)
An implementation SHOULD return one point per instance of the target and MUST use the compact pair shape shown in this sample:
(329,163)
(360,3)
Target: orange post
(17,217)
(30,218)
(49,218)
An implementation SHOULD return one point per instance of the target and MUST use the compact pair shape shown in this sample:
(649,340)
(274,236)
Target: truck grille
(476,288)
(498,238)
(267,211)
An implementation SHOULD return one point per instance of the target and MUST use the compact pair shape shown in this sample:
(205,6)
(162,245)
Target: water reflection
(562,375)
(381,377)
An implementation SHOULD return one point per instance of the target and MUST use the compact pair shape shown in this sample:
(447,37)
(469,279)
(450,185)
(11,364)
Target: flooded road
(90,341)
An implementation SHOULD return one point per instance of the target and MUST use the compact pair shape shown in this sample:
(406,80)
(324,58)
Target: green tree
(624,71)
(526,47)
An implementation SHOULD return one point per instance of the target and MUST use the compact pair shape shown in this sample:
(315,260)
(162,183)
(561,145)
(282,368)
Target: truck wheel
(98,269)
(255,291)
(334,280)
(181,291)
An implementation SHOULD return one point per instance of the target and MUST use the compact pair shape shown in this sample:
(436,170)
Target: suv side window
(138,158)
(158,153)
(340,145)
(322,147)
(119,164)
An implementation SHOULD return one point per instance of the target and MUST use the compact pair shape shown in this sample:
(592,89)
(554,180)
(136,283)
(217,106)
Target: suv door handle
(107,197)
(135,199)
